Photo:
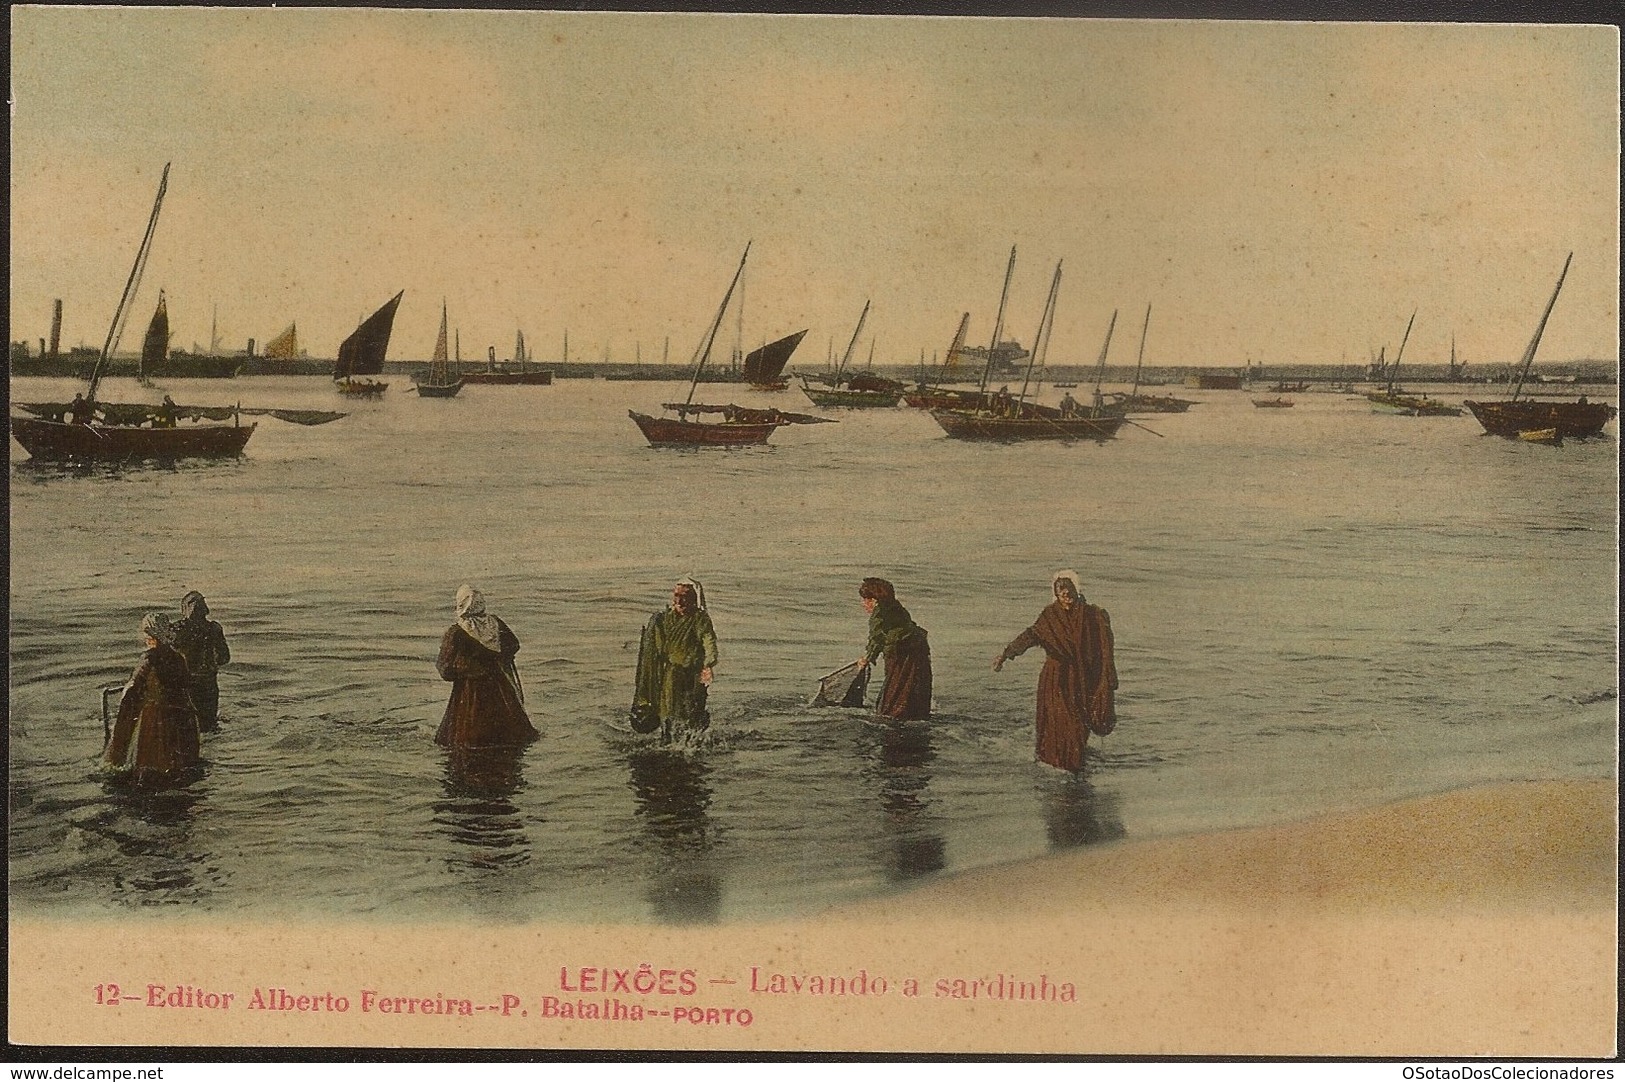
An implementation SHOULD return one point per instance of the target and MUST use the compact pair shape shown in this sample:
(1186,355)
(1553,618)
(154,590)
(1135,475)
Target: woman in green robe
(675,658)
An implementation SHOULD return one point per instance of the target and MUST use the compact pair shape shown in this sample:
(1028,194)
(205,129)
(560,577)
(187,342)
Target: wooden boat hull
(539,378)
(1144,403)
(1273,403)
(964,425)
(671,432)
(1571,420)
(835,398)
(943,398)
(438,390)
(55,441)
(1411,406)
(366,389)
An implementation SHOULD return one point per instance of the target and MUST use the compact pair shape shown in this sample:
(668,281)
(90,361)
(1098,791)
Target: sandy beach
(1478,923)
(1474,923)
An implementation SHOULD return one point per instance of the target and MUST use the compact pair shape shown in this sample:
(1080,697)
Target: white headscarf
(699,591)
(1070,576)
(157,625)
(472,618)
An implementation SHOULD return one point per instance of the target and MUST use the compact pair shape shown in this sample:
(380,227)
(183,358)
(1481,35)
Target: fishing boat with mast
(362,354)
(764,367)
(1552,420)
(940,395)
(736,426)
(1394,399)
(857,390)
(1134,401)
(90,430)
(1008,420)
(520,375)
(440,381)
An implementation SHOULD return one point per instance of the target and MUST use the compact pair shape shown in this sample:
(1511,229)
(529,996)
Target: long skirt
(907,693)
(484,712)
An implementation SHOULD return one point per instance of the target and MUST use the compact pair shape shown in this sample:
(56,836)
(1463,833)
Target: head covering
(193,605)
(1070,576)
(472,618)
(699,591)
(877,590)
(155,625)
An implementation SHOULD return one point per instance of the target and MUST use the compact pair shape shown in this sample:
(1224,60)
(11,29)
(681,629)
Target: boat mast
(1393,370)
(847,356)
(952,359)
(1529,354)
(1140,363)
(998,321)
(130,286)
(1045,322)
(1100,365)
(711,335)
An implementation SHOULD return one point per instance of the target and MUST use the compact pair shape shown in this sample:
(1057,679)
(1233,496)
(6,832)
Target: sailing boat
(503,375)
(863,390)
(927,396)
(1393,399)
(764,367)
(116,432)
(362,354)
(1134,401)
(440,382)
(1516,416)
(155,346)
(157,359)
(739,426)
(1004,419)
(285,346)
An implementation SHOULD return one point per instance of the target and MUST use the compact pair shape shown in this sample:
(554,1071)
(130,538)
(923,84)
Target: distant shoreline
(1558,376)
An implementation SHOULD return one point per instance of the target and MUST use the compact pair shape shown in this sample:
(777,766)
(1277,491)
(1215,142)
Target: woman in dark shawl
(676,654)
(203,644)
(895,636)
(487,705)
(155,741)
(1076,685)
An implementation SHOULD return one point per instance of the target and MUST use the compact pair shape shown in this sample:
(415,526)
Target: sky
(1275,192)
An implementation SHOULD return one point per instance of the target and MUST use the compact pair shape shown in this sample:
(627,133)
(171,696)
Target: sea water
(1316,608)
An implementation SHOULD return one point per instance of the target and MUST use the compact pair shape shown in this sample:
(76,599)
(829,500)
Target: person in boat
(676,656)
(164,415)
(1069,405)
(80,410)
(202,642)
(1001,402)
(894,635)
(1077,683)
(154,741)
(487,704)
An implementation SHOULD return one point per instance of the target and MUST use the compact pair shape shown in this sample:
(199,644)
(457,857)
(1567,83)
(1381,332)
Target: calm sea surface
(1315,608)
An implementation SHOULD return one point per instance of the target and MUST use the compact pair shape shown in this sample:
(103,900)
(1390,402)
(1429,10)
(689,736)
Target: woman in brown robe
(1076,685)
(894,635)
(155,739)
(487,705)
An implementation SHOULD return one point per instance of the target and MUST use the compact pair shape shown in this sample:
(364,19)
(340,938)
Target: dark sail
(155,347)
(766,364)
(362,354)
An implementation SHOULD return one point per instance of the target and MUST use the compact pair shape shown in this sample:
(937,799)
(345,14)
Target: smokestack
(251,347)
(56,327)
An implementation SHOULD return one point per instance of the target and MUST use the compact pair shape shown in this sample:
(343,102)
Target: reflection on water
(477,810)
(152,830)
(673,798)
(896,759)
(1074,814)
